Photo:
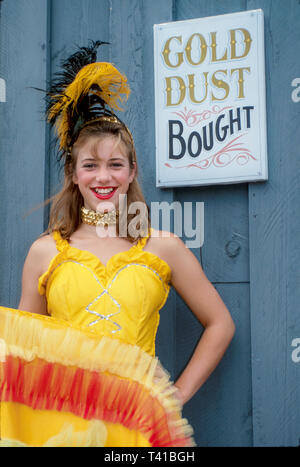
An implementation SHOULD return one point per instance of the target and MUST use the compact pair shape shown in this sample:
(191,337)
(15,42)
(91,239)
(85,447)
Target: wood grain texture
(225,259)
(131,36)
(251,249)
(73,24)
(225,251)
(23,38)
(189,9)
(274,240)
(221,412)
(224,254)
(155,12)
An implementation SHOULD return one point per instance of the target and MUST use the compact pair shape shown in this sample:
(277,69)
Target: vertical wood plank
(73,25)
(23,37)
(189,9)
(156,12)
(274,240)
(131,36)
(221,412)
(225,260)
(225,253)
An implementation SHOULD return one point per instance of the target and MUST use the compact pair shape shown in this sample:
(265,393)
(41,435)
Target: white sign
(210,110)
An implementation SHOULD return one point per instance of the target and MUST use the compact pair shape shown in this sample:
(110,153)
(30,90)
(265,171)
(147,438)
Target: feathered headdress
(84,91)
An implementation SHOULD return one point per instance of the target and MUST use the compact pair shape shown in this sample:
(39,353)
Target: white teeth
(103,191)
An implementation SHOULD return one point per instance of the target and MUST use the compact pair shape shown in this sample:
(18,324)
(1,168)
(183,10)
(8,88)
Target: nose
(103,175)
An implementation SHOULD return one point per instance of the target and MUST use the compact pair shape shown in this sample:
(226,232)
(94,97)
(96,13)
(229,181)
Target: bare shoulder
(40,252)
(35,264)
(167,245)
(166,239)
(171,248)
(42,244)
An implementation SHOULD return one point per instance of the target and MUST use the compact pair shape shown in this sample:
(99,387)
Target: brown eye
(89,166)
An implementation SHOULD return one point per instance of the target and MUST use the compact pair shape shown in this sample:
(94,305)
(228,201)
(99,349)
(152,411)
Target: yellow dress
(87,374)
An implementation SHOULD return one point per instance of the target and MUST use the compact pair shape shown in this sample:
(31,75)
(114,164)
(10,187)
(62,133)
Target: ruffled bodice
(120,300)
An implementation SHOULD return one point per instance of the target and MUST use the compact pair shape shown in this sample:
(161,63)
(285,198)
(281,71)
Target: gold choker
(88,216)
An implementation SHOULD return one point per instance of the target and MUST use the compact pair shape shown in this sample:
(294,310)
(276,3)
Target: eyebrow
(112,159)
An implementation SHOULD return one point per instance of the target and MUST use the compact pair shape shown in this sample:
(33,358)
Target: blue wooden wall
(251,250)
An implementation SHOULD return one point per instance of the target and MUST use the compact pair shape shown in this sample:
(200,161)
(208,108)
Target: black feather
(70,67)
(88,107)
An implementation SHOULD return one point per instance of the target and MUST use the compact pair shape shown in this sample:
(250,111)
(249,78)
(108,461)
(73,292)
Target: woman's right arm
(31,300)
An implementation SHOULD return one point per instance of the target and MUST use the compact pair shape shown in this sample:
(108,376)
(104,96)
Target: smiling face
(102,170)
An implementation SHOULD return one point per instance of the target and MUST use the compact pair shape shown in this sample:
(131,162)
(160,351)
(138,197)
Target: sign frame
(187,175)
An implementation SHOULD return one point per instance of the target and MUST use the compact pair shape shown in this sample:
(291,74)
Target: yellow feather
(112,83)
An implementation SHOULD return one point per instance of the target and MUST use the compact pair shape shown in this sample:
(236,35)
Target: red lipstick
(107,195)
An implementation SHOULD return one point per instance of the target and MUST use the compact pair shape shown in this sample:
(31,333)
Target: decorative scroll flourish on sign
(231,152)
(191,117)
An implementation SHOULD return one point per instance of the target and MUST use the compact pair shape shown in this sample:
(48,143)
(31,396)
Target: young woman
(100,275)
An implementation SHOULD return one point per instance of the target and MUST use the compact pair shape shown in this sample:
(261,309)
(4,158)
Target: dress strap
(61,243)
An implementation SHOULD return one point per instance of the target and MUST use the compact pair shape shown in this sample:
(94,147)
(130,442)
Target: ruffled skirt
(63,386)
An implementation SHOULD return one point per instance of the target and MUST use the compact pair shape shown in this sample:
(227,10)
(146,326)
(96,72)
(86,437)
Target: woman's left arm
(199,294)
